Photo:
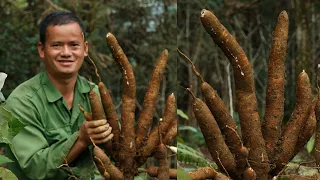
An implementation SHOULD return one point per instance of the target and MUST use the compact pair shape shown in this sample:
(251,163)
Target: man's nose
(65,51)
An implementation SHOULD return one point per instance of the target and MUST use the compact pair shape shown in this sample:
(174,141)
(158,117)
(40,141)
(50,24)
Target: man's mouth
(65,62)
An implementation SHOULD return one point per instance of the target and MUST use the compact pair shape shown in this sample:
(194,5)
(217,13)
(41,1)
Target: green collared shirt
(50,130)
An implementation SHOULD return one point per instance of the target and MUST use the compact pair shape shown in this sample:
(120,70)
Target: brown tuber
(298,119)
(127,137)
(273,116)
(247,105)
(100,156)
(204,173)
(215,142)
(150,99)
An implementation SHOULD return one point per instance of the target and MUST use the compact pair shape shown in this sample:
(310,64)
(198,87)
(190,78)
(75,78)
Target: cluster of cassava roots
(132,144)
(262,150)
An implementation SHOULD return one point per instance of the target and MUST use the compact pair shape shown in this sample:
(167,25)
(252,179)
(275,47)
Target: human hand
(98,130)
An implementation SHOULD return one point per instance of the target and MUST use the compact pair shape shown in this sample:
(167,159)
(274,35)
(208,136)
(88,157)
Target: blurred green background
(146,27)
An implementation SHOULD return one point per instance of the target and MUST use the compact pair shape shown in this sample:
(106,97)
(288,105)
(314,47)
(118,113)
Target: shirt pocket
(58,134)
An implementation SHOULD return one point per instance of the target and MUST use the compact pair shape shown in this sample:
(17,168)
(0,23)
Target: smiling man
(55,130)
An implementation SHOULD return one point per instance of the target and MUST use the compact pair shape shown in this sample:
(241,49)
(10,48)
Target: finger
(102,141)
(101,135)
(98,130)
(96,123)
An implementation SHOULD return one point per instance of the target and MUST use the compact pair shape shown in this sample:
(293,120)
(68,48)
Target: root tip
(203,12)
(166,51)
(172,96)
(284,14)
(108,34)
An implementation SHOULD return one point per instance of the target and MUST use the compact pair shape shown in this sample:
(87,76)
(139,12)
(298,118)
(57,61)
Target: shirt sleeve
(37,158)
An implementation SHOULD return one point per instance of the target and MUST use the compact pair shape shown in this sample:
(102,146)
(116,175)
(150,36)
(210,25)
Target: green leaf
(4,140)
(6,174)
(141,176)
(3,77)
(310,144)
(10,126)
(2,99)
(188,155)
(182,114)
(4,129)
(15,126)
(183,174)
(4,159)
(179,139)
(5,115)
(189,128)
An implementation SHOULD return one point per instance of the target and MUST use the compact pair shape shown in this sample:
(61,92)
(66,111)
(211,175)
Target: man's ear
(86,48)
(41,49)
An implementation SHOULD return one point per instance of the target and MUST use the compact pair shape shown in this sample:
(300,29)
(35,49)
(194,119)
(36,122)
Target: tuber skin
(213,137)
(271,128)
(96,106)
(226,123)
(111,115)
(97,114)
(171,133)
(247,105)
(127,136)
(101,168)
(86,114)
(150,100)
(169,117)
(114,172)
(153,172)
(249,174)
(161,155)
(204,173)
(308,129)
(298,119)
(98,130)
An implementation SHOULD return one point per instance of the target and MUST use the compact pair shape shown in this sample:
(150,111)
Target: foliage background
(145,27)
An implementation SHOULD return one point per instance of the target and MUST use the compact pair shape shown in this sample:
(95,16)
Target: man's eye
(75,44)
(55,45)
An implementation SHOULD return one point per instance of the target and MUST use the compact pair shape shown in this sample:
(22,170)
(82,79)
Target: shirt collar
(82,85)
(52,92)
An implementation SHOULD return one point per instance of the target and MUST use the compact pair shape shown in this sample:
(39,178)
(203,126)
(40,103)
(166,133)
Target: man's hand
(98,130)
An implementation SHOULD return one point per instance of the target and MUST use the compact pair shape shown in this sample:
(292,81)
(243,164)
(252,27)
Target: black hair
(57,18)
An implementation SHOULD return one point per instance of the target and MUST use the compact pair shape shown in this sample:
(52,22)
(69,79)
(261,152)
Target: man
(55,131)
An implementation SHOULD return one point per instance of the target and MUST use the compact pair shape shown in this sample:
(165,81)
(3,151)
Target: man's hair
(57,18)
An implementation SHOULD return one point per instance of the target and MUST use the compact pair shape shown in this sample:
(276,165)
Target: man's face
(64,50)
